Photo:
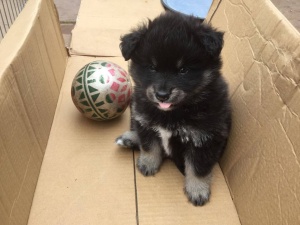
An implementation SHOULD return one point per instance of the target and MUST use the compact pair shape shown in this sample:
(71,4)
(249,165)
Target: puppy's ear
(211,39)
(130,41)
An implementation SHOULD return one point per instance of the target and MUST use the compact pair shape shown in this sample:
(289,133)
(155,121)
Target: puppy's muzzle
(162,96)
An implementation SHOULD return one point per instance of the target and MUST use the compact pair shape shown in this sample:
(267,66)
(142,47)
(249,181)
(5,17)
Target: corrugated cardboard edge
(32,65)
(262,63)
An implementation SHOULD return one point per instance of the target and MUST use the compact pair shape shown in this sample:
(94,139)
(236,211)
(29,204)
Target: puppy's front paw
(146,168)
(128,140)
(148,163)
(197,188)
(197,197)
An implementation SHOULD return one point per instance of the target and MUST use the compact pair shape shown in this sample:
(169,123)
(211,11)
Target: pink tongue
(165,105)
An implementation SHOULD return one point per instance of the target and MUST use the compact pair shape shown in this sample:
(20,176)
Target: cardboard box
(58,168)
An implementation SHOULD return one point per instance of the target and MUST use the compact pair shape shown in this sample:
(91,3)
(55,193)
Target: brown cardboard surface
(32,64)
(262,63)
(20,155)
(100,24)
(85,178)
(161,200)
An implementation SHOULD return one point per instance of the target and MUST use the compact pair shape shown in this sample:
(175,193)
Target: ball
(101,90)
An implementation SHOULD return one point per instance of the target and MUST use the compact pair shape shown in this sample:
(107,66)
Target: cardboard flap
(100,24)
(261,63)
(32,65)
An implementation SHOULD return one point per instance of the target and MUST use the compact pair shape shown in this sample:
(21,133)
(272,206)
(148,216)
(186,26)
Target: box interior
(57,167)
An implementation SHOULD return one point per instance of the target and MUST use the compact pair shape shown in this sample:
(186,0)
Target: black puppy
(180,107)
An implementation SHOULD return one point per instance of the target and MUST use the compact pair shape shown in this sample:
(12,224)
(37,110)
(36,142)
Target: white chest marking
(165,136)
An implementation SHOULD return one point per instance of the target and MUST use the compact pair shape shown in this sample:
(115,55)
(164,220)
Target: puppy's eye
(183,70)
(152,68)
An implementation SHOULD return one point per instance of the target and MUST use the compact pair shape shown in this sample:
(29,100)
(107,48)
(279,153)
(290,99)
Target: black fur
(179,57)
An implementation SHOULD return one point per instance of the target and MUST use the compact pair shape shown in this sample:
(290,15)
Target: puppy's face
(173,58)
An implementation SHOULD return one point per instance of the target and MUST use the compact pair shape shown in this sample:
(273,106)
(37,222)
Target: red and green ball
(101,90)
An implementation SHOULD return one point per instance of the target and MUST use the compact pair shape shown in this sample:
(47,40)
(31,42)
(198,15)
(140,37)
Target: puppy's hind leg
(129,139)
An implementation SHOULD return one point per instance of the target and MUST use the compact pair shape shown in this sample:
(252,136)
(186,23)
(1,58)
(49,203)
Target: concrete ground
(68,10)
(290,9)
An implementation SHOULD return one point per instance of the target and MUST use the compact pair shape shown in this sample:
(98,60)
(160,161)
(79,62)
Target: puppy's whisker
(154,61)
(179,63)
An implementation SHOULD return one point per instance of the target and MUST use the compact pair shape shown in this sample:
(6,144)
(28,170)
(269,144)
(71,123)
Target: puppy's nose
(162,95)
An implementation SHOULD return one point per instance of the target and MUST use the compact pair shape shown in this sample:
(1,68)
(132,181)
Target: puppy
(180,107)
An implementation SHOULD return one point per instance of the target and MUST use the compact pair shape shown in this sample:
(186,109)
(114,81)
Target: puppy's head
(173,58)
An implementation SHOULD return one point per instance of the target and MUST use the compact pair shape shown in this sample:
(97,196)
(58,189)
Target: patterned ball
(101,90)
